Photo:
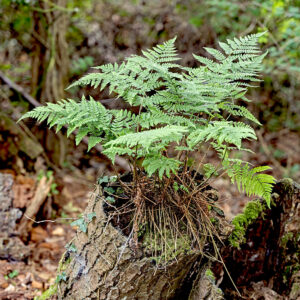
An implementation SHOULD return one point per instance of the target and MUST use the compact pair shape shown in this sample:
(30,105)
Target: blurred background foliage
(46,44)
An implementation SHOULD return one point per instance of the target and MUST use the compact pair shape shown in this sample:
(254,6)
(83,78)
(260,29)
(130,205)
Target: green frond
(88,116)
(156,116)
(145,138)
(113,151)
(209,170)
(163,53)
(237,110)
(124,122)
(250,181)
(93,141)
(222,131)
(160,164)
(82,132)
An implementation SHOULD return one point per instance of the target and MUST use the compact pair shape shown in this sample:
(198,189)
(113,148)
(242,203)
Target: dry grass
(166,217)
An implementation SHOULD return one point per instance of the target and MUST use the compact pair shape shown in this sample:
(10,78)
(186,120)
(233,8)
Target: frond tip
(251,182)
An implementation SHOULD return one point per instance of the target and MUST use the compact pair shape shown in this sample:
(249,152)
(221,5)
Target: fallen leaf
(58,231)
(10,288)
(38,234)
(37,284)
(3,283)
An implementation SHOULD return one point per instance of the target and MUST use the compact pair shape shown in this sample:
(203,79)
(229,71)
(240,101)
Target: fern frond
(124,122)
(93,141)
(229,132)
(251,182)
(89,116)
(232,70)
(155,116)
(113,151)
(237,110)
(161,164)
(164,53)
(145,138)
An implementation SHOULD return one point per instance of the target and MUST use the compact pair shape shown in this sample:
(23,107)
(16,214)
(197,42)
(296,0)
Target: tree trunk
(50,64)
(50,61)
(103,265)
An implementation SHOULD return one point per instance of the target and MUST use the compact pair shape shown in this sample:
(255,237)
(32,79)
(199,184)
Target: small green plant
(61,277)
(53,186)
(84,221)
(191,110)
(71,248)
(12,274)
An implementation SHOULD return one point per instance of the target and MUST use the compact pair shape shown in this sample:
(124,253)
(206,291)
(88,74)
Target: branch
(15,87)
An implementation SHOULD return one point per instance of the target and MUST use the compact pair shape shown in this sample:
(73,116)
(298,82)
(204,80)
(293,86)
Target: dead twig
(17,88)
(40,196)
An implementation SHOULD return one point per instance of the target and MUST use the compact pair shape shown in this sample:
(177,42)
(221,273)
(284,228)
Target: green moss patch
(251,212)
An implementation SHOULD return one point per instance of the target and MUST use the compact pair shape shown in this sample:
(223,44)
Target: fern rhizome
(182,113)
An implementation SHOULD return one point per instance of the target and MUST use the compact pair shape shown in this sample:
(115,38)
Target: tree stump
(101,264)
(105,266)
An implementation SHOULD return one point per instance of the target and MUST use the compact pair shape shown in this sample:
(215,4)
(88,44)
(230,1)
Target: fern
(160,164)
(145,138)
(222,131)
(89,116)
(177,104)
(240,111)
(251,181)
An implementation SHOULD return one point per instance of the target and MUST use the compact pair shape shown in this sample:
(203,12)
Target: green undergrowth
(251,212)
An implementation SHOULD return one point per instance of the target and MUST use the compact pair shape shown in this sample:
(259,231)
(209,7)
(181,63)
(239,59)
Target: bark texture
(105,267)
(11,247)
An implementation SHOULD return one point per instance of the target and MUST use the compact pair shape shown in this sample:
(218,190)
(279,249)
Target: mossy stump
(102,264)
(106,266)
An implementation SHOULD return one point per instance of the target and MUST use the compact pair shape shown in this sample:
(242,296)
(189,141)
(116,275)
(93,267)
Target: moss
(251,212)
(289,186)
(291,252)
(165,247)
(287,183)
(209,274)
(48,293)
(286,238)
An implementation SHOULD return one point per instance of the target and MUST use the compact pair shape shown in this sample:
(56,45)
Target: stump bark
(101,264)
(104,266)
